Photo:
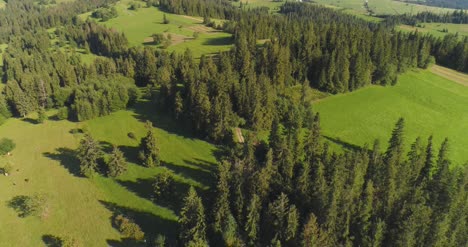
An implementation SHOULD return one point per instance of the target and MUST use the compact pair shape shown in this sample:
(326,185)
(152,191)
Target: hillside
(430,104)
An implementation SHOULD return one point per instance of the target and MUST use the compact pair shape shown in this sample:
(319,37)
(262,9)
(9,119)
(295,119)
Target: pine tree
(192,221)
(252,227)
(88,153)
(117,164)
(149,150)
(313,235)
(222,209)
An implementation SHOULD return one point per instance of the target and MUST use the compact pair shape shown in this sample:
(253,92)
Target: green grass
(138,25)
(273,6)
(430,105)
(436,29)
(381,6)
(82,207)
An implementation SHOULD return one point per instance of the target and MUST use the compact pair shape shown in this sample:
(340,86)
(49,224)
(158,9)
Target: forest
(288,190)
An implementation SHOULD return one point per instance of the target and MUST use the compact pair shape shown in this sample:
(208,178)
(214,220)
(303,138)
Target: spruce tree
(192,221)
(88,153)
(149,150)
(252,227)
(116,164)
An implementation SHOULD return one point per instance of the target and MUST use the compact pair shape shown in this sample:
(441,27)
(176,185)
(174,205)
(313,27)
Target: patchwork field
(43,162)
(429,103)
(138,25)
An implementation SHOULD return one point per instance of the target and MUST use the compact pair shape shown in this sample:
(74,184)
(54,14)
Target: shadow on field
(51,240)
(149,223)
(30,120)
(192,171)
(345,145)
(146,110)
(131,154)
(67,158)
(144,189)
(219,41)
(20,205)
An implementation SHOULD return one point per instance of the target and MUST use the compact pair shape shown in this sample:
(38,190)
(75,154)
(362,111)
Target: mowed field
(44,162)
(436,29)
(429,103)
(138,25)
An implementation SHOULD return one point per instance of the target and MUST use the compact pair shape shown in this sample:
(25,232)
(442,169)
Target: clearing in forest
(140,24)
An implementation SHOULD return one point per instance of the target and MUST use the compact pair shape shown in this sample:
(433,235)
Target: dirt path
(193,18)
(450,74)
(239,136)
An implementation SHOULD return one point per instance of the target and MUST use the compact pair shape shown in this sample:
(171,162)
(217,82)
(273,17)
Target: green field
(382,6)
(436,29)
(138,25)
(274,6)
(82,207)
(429,103)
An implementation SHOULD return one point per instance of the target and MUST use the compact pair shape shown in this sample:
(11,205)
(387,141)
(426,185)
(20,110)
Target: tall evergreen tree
(192,221)
(116,164)
(88,153)
(149,150)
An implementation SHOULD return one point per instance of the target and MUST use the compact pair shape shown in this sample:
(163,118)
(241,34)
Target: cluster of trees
(93,160)
(457,17)
(105,14)
(294,192)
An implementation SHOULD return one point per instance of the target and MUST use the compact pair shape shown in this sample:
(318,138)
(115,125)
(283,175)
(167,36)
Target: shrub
(6,169)
(128,228)
(6,145)
(62,113)
(163,184)
(131,135)
(41,115)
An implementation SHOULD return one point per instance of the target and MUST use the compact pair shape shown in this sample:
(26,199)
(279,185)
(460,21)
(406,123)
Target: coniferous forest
(291,189)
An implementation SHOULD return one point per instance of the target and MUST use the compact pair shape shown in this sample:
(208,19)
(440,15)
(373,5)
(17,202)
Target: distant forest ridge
(453,4)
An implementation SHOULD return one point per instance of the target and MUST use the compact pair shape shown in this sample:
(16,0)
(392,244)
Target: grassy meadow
(429,103)
(44,162)
(436,29)
(138,25)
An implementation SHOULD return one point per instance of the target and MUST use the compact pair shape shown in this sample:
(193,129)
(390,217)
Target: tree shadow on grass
(19,204)
(144,189)
(145,110)
(30,120)
(131,154)
(149,223)
(345,145)
(218,41)
(192,171)
(67,158)
(51,240)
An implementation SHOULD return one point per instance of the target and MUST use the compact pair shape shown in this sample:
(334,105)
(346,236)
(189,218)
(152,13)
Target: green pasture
(430,104)
(44,162)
